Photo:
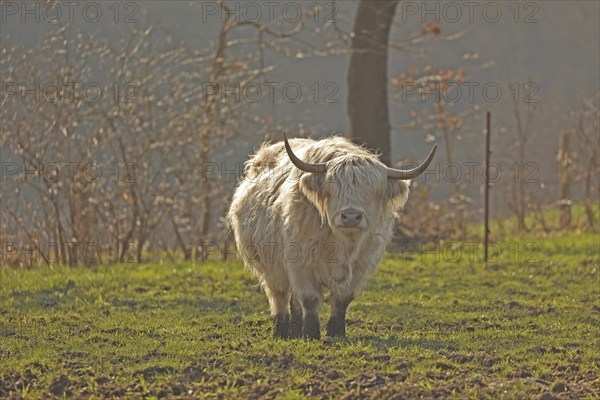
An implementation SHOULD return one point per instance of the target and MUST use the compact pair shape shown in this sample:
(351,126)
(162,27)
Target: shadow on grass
(394,341)
(38,299)
(214,304)
(53,298)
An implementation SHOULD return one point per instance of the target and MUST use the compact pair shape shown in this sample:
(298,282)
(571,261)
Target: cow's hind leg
(278,300)
(296,319)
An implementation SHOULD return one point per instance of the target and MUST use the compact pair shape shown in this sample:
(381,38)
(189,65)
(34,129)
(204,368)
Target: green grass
(500,228)
(425,326)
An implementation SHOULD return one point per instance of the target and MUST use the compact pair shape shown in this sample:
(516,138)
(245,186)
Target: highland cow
(316,217)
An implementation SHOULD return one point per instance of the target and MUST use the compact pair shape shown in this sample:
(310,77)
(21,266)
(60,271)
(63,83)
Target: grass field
(430,324)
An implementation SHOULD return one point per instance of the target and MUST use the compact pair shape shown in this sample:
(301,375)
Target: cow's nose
(351,218)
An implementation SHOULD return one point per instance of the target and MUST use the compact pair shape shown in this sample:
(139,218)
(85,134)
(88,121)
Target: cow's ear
(397,192)
(312,185)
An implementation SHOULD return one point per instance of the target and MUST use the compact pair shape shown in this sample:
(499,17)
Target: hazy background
(549,50)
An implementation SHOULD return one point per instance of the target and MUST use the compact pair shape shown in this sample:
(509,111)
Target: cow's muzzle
(351,218)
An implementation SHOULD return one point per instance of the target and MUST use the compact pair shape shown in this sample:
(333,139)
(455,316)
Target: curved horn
(302,165)
(412,173)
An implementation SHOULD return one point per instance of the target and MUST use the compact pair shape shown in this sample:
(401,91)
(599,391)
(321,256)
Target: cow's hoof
(312,335)
(336,328)
(295,328)
(311,327)
(280,328)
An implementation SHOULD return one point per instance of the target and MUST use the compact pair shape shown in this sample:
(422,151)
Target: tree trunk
(367,76)
(589,211)
(565,180)
(187,253)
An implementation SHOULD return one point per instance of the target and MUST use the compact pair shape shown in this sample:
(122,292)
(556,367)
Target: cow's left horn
(412,173)
(302,165)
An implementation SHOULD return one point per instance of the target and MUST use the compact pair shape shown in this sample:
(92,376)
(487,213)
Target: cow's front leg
(296,318)
(310,313)
(280,327)
(337,323)
(308,292)
(278,301)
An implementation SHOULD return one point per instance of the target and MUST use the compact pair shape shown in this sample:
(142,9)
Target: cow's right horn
(412,173)
(302,165)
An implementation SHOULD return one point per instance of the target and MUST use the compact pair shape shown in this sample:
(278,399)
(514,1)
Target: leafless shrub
(114,149)
(104,141)
(587,165)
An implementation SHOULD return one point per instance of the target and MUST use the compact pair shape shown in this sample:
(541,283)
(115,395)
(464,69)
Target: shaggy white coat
(283,219)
